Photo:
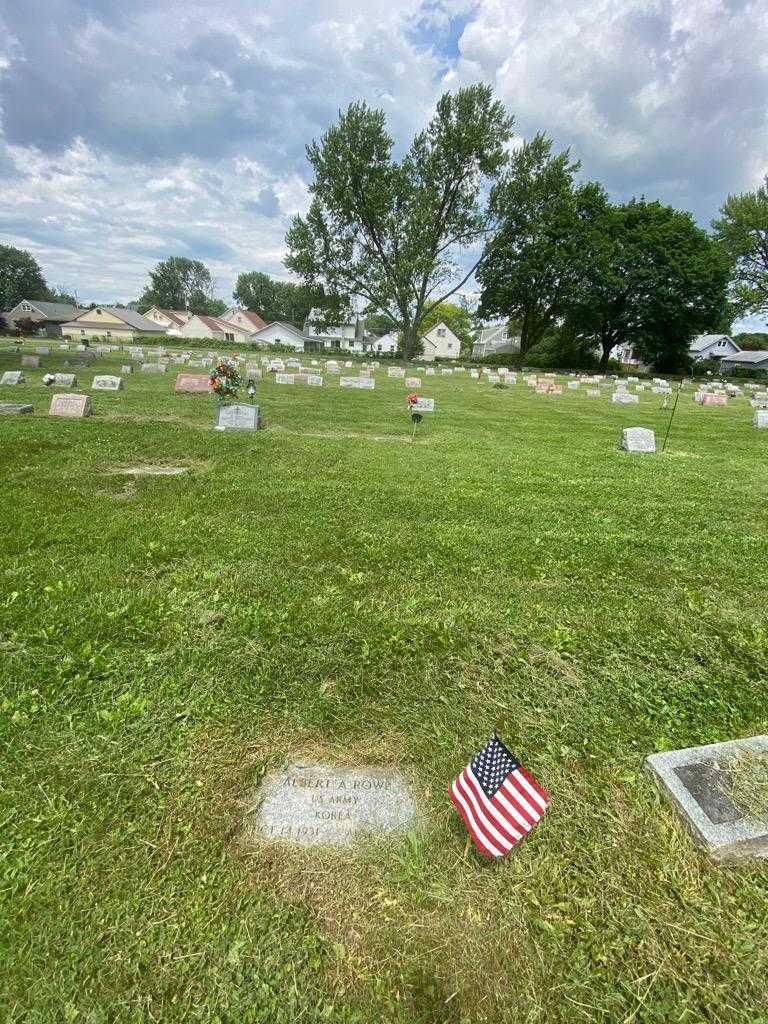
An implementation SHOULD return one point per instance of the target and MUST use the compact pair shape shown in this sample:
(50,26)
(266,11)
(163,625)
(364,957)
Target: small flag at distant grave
(498,800)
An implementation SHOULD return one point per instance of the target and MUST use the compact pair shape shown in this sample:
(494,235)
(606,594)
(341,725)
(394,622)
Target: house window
(26,307)
(82,331)
(109,334)
(98,312)
(441,332)
(229,337)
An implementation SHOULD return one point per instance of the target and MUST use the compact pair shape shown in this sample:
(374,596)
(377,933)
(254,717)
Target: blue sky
(131,132)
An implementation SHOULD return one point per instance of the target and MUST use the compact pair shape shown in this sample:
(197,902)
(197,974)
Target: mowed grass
(326,588)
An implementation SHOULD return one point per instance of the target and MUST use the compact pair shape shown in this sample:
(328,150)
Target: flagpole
(674,407)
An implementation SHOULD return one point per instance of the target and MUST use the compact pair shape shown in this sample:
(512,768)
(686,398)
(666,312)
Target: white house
(116,325)
(494,338)
(440,343)
(712,346)
(279,333)
(172,319)
(244,318)
(202,326)
(625,355)
(745,360)
(387,343)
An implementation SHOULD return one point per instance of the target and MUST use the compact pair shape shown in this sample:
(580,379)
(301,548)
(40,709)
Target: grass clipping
(747,785)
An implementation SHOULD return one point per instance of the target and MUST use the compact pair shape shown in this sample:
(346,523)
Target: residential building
(440,343)
(48,317)
(172,319)
(111,323)
(712,346)
(279,333)
(625,355)
(745,360)
(494,338)
(244,318)
(202,326)
(386,344)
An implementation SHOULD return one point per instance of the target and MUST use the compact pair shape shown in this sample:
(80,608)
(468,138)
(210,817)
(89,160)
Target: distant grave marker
(319,805)
(14,409)
(152,368)
(192,384)
(284,378)
(106,382)
(625,398)
(760,419)
(413,382)
(423,405)
(32,361)
(12,377)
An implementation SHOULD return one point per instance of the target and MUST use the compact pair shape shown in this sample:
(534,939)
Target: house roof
(252,317)
(748,357)
(284,326)
(172,314)
(128,316)
(705,341)
(53,310)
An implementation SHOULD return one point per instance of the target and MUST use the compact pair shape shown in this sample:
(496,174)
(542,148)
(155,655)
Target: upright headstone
(192,384)
(637,439)
(31,361)
(760,418)
(284,378)
(625,398)
(237,416)
(423,405)
(126,368)
(152,367)
(106,382)
(314,380)
(70,406)
(12,377)
(14,409)
(413,382)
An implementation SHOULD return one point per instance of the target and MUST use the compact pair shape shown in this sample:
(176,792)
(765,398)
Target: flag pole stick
(674,407)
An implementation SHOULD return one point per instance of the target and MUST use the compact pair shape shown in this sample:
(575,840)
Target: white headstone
(637,439)
(105,382)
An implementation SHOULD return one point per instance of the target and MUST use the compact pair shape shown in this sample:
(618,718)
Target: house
(111,323)
(47,316)
(202,326)
(744,360)
(341,337)
(244,318)
(712,346)
(387,343)
(440,343)
(494,338)
(279,333)
(625,354)
(172,319)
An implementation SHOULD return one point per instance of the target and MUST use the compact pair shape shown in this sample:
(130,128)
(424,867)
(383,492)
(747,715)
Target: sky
(135,131)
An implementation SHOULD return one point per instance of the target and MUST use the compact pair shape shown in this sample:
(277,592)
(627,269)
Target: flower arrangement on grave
(225,380)
(416,417)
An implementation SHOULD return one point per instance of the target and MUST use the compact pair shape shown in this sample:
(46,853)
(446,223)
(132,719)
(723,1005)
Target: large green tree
(655,281)
(390,232)
(742,230)
(181,283)
(20,277)
(277,300)
(536,265)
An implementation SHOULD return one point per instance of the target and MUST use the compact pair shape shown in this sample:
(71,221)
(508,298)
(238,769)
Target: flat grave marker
(12,377)
(14,409)
(760,419)
(152,368)
(699,783)
(320,805)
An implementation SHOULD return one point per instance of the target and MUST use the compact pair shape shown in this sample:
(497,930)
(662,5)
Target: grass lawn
(326,588)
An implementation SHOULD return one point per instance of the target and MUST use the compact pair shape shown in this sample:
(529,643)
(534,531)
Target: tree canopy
(277,300)
(536,265)
(742,230)
(655,281)
(391,233)
(181,283)
(20,277)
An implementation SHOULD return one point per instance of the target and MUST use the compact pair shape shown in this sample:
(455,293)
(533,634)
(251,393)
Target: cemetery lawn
(326,589)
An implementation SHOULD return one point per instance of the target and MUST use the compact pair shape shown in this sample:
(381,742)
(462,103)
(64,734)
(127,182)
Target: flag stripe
(501,800)
(539,794)
(479,821)
(513,791)
(480,842)
(509,835)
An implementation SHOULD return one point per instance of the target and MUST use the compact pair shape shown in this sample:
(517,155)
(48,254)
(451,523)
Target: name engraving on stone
(318,804)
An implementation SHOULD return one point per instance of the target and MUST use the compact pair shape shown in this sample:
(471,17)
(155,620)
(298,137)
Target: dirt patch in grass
(338,436)
(149,470)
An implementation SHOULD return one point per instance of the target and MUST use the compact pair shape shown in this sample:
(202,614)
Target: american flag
(498,799)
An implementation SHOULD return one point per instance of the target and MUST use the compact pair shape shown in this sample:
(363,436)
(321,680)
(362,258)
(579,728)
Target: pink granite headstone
(192,384)
(70,406)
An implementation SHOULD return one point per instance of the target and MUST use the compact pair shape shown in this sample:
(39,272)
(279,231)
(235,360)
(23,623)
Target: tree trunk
(607,346)
(410,340)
